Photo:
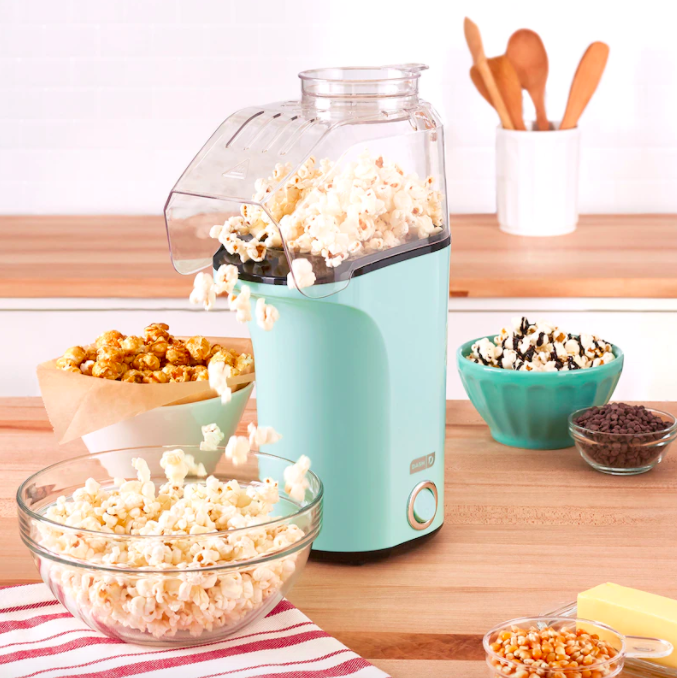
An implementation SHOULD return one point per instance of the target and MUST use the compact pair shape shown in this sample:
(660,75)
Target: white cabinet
(32,331)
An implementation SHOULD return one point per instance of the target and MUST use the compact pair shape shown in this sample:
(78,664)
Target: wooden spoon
(474,40)
(508,85)
(527,54)
(587,77)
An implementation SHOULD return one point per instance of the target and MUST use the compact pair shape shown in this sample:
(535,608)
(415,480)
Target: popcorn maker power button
(422,506)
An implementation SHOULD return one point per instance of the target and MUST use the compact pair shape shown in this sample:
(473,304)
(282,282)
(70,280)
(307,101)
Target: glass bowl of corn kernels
(186,548)
(562,647)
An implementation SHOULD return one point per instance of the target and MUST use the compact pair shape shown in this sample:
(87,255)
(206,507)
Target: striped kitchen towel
(40,638)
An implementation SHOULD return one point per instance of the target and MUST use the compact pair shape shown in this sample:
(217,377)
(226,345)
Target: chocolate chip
(620,435)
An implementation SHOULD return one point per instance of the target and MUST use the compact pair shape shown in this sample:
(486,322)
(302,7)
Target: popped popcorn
(203,291)
(162,587)
(225,279)
(262,435)
(302,274)
(295,479)
(213,436)
(206,288)
(237,450)
(241,304)
(541,347)
(156,357)
(219,373)
(266,314)
(334,212)
(177,465)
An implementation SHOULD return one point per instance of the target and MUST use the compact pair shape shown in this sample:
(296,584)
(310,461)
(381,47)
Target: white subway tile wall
(104,102)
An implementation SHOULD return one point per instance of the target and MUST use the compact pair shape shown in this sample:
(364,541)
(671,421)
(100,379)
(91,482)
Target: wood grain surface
(128,257)
(524,532)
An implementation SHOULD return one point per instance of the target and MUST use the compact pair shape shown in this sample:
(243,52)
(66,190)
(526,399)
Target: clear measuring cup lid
(343,181)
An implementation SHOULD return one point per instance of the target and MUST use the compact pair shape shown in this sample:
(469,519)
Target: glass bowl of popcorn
(187,548)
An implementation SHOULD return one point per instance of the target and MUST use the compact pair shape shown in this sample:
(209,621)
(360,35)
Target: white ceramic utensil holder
(537,181)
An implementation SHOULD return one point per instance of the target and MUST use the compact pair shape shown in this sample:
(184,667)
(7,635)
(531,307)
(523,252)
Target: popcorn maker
(333,209)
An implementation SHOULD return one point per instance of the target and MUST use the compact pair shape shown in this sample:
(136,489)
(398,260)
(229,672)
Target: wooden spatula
(474,40)
(587,77)
(508,85)
(527,54)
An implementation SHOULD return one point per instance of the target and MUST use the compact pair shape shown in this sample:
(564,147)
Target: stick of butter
(632,613)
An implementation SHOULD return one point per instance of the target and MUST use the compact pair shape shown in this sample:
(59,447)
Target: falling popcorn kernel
(203,291)
(266,315)
(219,373)
(301,274)
(213,436)
(241,304)
(237,450)
(262,435)
(225,279)
(295,479)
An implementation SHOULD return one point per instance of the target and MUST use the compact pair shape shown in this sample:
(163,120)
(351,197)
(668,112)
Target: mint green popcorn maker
(334,212)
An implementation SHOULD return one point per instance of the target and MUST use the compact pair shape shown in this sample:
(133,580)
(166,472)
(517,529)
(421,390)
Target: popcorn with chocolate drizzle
(541,347)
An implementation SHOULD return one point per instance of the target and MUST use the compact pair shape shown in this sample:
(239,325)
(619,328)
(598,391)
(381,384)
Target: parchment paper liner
(77,404)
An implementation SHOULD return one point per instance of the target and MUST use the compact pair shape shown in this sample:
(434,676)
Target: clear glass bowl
(623,453)
(626,647)
(173,606)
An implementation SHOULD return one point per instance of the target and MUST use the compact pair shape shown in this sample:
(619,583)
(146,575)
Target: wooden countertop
(127,257)
(524,532)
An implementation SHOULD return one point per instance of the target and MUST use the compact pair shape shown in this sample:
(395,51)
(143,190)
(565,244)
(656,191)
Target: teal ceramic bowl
(531,409)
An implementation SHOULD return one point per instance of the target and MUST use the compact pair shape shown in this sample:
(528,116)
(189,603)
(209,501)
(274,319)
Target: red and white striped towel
(40,638)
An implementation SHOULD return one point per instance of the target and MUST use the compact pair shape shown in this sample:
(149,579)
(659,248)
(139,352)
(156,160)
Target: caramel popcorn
(155,358)
(106,369)
(155,377)
(199,349)
(110,353)
(223,356)
(156,332)
(87,367)
(133,345)
(168,586)
(199,373)
(178,354)
(64,363)
(110,338)
(71,368)
(146,361)
(75,355)
(135,376)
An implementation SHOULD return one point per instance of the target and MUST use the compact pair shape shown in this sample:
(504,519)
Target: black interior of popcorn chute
(274,268)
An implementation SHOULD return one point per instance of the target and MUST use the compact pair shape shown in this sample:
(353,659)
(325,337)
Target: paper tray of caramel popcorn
(78,403)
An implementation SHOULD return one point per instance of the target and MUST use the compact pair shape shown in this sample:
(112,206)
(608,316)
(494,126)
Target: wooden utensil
(508,85)
(587,77)
(474,40)
(527,54)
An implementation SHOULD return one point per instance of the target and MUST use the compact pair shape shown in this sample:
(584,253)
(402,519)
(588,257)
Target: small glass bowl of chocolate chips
(622,439)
